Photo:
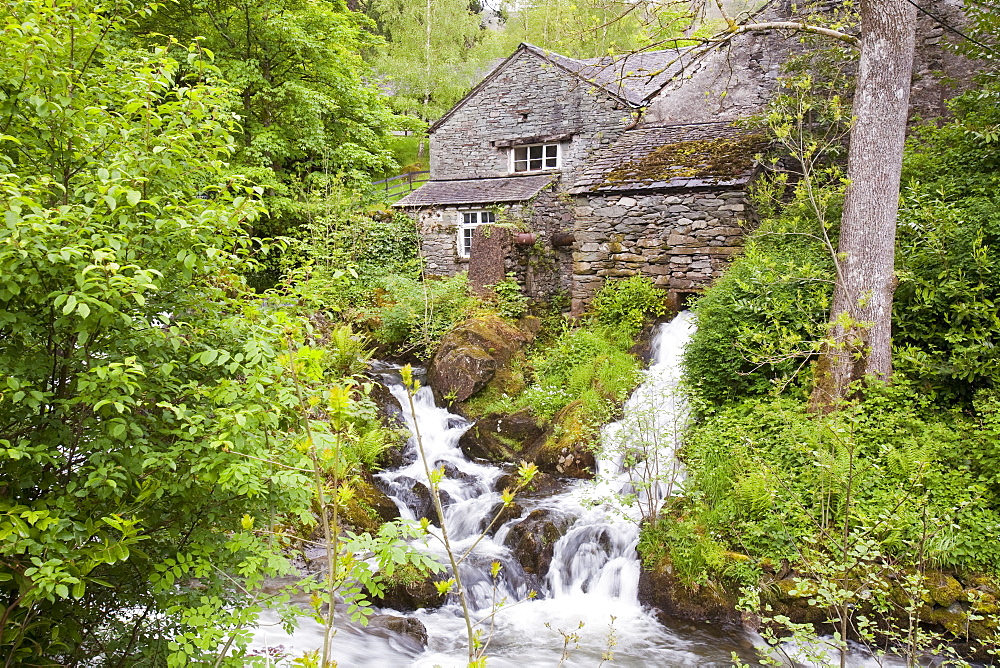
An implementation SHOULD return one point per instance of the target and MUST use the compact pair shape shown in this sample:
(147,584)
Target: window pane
(488,217)
(467,241)
(469,218)
(535,164)
(520,165)
(535,152)
(551,150)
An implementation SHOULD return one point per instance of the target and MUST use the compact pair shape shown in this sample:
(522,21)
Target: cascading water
(590,592)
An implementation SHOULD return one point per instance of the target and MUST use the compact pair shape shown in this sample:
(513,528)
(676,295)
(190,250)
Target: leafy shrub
(762,321)
(508,298)
(418,313)
(628,303)
(589,364)
(766,477)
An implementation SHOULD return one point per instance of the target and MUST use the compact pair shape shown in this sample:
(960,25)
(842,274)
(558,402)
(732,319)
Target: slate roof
(476,191)
(636,77)
(632,78)
(673,156)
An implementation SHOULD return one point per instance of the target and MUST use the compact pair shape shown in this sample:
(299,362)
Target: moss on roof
(718,159)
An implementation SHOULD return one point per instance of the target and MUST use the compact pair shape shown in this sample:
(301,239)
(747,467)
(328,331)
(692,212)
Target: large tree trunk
(861,316)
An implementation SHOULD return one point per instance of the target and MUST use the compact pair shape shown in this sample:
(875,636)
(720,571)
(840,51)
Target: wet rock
(410,629)
(388,406)
(470,354)
(503,514)
(541,485)
(410,595)
(455,473)
(661,589)
(481,443)
(533,540)
(417,497)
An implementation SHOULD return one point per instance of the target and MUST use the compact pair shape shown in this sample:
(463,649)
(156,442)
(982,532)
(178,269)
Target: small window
(470,221)
(536,157)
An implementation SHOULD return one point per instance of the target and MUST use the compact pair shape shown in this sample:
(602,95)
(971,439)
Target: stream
(587,601)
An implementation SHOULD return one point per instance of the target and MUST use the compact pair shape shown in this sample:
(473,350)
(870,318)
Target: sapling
(476,644)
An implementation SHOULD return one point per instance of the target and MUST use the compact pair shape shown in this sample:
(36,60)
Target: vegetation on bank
(902,479)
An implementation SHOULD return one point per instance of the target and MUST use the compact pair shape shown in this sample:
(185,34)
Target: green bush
(418,313)
(762,321)
(589,364)
(627,304)
(508,298)
(766,477)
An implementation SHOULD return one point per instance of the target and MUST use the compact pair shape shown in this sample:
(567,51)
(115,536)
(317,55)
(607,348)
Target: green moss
(722,158)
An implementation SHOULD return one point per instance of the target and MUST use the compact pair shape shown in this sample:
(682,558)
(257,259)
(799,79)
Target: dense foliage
(153,454)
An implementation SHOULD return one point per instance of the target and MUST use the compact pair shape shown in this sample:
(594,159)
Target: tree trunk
(861,316)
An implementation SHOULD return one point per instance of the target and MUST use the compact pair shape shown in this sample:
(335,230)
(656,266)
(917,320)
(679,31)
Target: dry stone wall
(681,239)
(528,98)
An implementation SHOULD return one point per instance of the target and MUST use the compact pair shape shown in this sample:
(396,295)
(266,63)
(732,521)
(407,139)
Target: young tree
(427,59)
(145,422)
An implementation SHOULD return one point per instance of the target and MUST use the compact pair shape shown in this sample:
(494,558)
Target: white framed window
(470,221)
(534,157)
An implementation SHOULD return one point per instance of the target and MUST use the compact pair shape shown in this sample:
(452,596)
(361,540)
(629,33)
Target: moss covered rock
(567,448)
(661,589)
(942,589)
(470,355)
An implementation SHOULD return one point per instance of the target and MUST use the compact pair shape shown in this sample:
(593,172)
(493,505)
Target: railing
(398,186)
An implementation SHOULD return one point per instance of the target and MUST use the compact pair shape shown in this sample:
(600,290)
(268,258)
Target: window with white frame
(470,221)
(534,158)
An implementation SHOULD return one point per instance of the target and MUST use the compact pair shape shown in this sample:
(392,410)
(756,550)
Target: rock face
(469,356)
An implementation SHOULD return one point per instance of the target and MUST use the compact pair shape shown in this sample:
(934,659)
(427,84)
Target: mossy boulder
(369,507)
(662,589)
(567,448)
(501,438)
(470,355)
(942,589)
(411,589)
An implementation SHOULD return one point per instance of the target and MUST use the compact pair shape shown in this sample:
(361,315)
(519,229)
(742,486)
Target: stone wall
(528,98)
(682,239)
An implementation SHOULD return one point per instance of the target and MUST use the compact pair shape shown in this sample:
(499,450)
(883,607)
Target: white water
(594,574)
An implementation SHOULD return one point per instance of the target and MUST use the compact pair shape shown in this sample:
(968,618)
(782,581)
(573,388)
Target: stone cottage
(606,167)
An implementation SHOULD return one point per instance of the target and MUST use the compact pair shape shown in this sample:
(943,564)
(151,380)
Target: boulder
(410,595)
(503,514)
(417,497)
(370,507)
(942,588)
(533,540)
(410,629)
(661,589)
(542,485)
(567,449)
(502,438)
(470,354)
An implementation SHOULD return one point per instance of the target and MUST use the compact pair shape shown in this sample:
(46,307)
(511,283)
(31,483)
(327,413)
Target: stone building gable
(527,96)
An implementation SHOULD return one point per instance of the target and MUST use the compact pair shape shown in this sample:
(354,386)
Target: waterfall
(587,600)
